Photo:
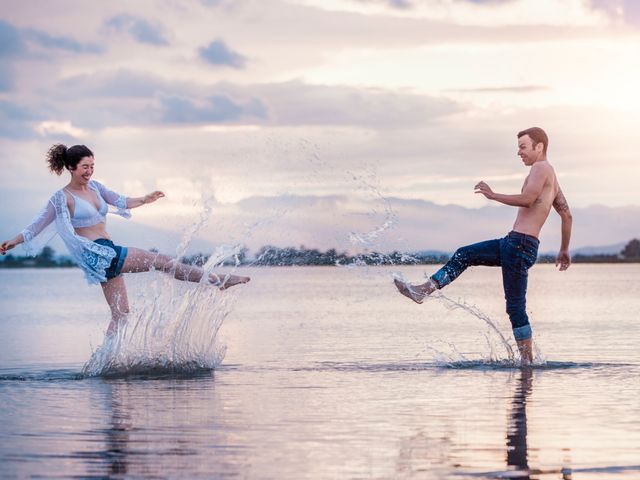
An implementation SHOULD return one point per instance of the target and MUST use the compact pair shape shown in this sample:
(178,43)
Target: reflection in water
(117,437)
(517,430)
(517,451)
(114,459)
(160,425)
(422,454)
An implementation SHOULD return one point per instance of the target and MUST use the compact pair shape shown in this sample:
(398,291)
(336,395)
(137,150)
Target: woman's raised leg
(115,292)
(139,260)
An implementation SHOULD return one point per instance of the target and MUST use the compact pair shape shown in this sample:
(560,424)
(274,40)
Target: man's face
(527,152)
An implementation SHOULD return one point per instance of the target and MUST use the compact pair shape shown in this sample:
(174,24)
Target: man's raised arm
(562,207)
(530,193)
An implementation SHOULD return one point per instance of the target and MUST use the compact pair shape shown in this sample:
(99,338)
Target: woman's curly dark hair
(60,157)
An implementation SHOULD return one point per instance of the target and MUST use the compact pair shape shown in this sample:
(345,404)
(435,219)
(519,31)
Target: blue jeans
(515,253)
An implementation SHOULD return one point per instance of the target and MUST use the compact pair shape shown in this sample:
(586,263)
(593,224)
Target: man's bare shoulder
(542,166)
(543,170)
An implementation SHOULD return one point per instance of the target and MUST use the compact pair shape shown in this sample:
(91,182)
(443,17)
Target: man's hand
(484,189)
(563,260)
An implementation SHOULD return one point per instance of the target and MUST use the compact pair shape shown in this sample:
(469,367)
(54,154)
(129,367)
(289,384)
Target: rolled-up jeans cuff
(522,333)
(441,279)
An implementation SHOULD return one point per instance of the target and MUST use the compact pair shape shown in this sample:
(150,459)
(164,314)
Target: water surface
(329,373)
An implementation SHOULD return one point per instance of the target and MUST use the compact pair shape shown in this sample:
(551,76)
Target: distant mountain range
(349,223)
(600,250)
(591,250)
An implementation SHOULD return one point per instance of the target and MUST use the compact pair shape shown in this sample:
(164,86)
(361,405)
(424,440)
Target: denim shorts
(118,261)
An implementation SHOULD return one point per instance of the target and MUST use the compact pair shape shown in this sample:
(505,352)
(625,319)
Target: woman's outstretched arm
(9,244)
(125,203)
(133,202)
(44,218)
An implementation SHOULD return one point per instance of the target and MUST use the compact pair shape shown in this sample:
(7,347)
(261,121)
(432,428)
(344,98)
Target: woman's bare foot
(415,292)
(114,326)
(227,281)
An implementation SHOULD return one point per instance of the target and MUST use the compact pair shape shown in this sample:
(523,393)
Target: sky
(354,124)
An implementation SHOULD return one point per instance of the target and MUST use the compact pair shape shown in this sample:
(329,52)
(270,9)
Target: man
(518,251)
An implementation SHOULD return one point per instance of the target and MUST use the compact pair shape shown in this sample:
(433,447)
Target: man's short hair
(537,135)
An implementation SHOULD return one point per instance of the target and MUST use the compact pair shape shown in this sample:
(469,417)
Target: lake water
(327,373)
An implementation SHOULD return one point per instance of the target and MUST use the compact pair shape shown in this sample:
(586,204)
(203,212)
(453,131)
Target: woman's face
(84,170)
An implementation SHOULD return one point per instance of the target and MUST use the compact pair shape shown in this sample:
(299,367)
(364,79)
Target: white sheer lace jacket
(55,218)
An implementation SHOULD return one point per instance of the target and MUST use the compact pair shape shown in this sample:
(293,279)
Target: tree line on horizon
(290,256)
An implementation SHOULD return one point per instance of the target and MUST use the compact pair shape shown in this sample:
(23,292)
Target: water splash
(172,327)
(373,237)
(190,232)
(474,311)
(497,343)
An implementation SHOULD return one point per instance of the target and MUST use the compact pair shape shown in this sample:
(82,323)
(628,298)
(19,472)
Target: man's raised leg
(482,253)
(415,292)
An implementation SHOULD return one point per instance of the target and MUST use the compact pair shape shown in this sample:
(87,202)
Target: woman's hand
(152,197)
(7,245)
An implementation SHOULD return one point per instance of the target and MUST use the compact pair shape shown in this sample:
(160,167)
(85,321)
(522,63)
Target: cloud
(513,89)
(14,42)
(48,41)
(18,43)
(631,9)
(11,45)
(18,122)
(121,83)
(413,129)
(139,28)
(494,13)
(401,4)
(286,103)
(16,112)
(628,10)
(60,128)
(298,103)
(213,109)
(218,53)
(7,77)
(488,2)
(408,4)
(15,121)
(11,40)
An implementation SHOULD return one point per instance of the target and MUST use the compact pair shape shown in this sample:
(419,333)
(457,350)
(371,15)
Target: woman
(78,214)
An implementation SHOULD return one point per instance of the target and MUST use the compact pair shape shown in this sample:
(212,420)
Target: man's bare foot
(525,347)
(227,281)
(415,292)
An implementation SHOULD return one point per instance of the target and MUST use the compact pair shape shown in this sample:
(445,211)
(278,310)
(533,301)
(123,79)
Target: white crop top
(85,213)
(55,218)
